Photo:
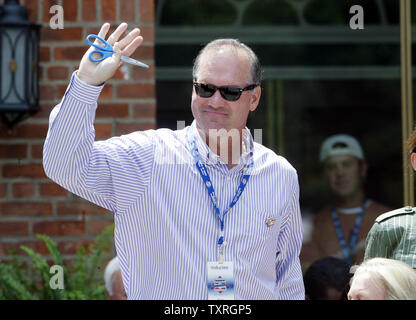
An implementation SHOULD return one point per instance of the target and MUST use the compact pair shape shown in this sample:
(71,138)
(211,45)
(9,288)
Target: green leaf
(83,281)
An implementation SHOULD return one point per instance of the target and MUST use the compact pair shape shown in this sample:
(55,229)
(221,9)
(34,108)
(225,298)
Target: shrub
(82,280)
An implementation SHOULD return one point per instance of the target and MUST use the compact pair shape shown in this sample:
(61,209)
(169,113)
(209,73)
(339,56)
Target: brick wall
(30,203)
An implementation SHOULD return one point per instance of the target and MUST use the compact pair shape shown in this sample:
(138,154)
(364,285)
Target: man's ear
(255,98)
(413,160)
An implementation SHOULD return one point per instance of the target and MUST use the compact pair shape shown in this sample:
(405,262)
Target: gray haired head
(256,72)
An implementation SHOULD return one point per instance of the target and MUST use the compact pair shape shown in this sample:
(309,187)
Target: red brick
(33,170)
(96,227)
(143,73)
(40,73)
(25,209)
(57,73)
(95,30)
(125,128)
(71,247)
(136,90)
(70,10)
(44,54)
(112,110)
(37,151)
(45,110)
(10,151)
(147,11)
(108,12)
(79,208)
(14,228)
(102,130)
(38,246)
(66,34)
(46,92)
(148,34)
(144,110)
(60,91)
(60,228)
(89,10)
(23,190)
(127,10)
(32,10)
(3,190)
(144,52)
(52,190)
(25,131)
(118,75)
(107,92)
(47,4)
(69,53)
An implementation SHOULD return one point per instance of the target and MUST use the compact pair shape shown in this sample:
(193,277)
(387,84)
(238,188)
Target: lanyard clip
(221,239)
(221,254)
(221,244)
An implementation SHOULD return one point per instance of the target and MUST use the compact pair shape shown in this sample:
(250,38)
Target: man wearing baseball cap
(340,229)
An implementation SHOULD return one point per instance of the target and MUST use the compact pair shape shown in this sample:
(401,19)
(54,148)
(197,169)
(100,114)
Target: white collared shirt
(165,226)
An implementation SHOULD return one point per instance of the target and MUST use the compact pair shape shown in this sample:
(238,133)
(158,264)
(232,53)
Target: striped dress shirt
(166,229)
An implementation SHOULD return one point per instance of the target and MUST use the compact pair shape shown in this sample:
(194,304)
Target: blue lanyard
(348,252)
(210,188)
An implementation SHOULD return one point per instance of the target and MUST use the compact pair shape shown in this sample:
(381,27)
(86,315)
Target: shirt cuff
(83,91)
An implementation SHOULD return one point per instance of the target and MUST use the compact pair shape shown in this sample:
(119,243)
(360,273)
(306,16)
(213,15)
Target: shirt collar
(209,157)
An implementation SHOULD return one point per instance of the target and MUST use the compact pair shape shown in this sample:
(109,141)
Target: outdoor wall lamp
(19,57)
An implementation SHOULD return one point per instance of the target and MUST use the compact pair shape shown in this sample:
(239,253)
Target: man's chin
(342,194)
(211,125)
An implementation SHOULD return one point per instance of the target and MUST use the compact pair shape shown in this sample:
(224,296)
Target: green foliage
(82,280)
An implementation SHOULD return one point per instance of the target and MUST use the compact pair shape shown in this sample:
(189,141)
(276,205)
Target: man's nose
(216,100)
(339,170)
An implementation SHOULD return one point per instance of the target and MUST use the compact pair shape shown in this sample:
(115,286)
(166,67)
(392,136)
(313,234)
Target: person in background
(340,229)
(393,234)
(327,279)
(114,288)
(382,279)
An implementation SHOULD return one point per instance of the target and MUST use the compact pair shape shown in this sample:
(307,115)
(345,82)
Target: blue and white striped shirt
(166,229)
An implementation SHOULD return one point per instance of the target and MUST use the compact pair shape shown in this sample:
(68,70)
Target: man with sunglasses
(200,213)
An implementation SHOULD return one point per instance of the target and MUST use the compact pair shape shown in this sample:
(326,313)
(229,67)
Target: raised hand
(95,73)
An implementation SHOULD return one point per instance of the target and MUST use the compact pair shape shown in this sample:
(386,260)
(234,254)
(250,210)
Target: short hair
(411,142)
(326,273)
(112,267)
(397,278)
(256,72)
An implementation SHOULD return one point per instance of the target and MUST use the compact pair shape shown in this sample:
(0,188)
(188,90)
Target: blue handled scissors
(108,51)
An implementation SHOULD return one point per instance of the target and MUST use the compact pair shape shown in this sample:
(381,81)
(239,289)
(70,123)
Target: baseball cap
(341,144)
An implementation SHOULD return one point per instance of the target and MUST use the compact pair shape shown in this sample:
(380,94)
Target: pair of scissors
(107,51)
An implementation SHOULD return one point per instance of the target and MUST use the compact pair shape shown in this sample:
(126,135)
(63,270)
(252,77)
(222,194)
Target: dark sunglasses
(230,93)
